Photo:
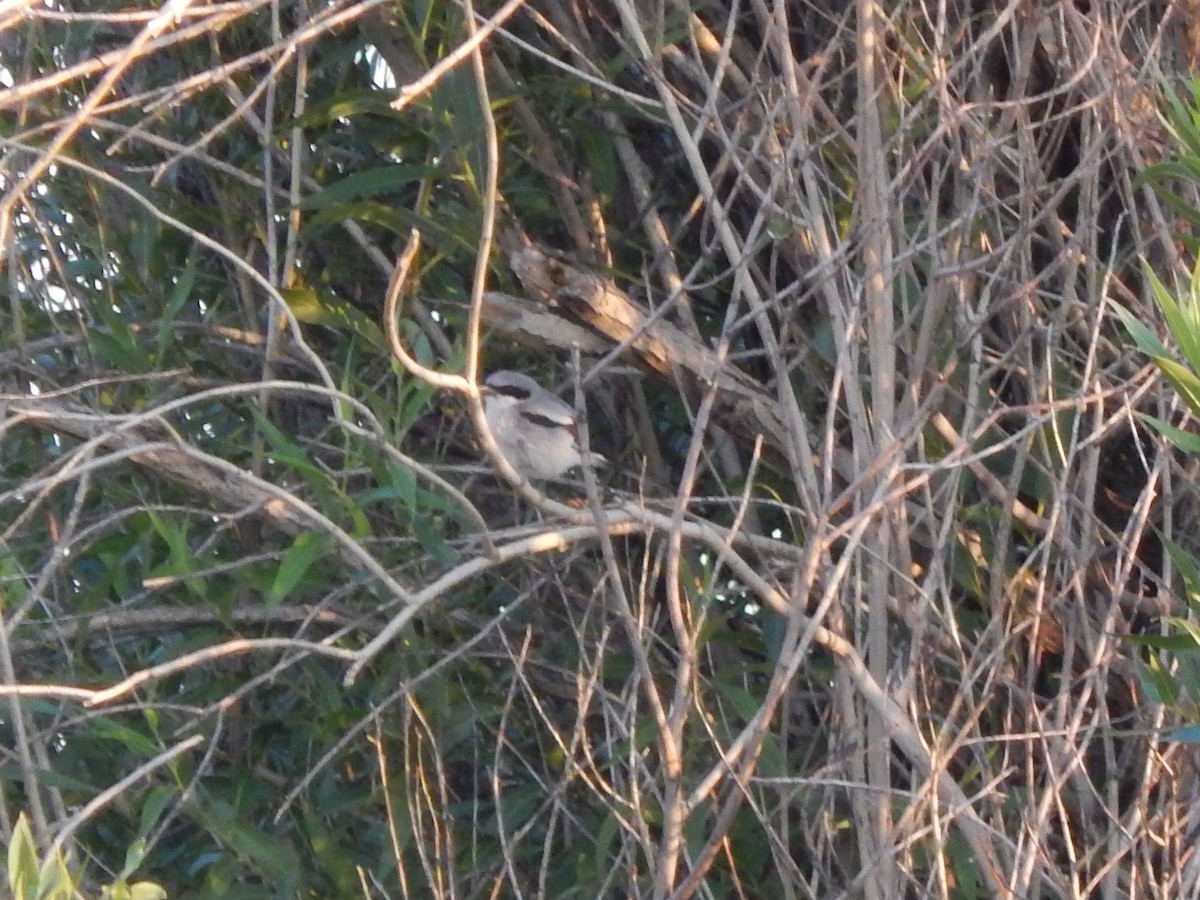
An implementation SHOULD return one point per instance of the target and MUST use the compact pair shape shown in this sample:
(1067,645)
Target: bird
(534,429)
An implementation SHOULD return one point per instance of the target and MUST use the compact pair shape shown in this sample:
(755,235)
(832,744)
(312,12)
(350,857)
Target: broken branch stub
(742,405)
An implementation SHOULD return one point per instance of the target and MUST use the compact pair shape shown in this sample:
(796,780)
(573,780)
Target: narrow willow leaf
(1189,734)
(1183,380)
(22,860)
(1184,440)
(299,558)
(1180,320)
(1142,336)
(322,308)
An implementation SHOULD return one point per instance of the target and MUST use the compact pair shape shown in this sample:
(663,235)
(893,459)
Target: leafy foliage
(30,879)
(1172,676)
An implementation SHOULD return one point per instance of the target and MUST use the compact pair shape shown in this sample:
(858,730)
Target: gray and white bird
(535,430)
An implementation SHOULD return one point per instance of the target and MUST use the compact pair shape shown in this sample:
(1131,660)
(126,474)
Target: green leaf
(130,738)
(1158,683)
(305,550)
(1187,564)
(274,858)
(22,861)
(55,881)
(1165,172)
(404,483)
(1189,734)
(178,296)
(287,451)
(316,308)
(1174,643)
(155,805)
(745,704)
(1142,336)
(1187,441)
(147,890)
(1182,117)
(456,97)
(1181,319)
(1179,205)
(134,854)
(345,105)
(142,890)
(431,540)
(601,161)
(369,184)
(594,866)
(967,878)
(1191,628)
(180,560)
(1182,379)
(116,351)
(396,219)
(414,400)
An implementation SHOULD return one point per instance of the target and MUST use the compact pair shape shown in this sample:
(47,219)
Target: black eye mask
(509,390)
(546,422)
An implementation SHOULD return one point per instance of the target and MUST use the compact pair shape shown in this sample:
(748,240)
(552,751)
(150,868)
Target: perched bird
(535,430)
